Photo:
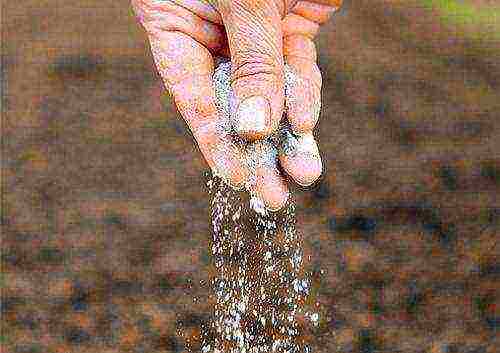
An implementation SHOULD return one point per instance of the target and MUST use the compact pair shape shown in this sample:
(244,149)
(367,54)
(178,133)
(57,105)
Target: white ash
(257,254)
(262,152)
(222,77)
(257,283)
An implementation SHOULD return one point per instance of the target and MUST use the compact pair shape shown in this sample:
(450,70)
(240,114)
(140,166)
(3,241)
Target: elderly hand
(259,36)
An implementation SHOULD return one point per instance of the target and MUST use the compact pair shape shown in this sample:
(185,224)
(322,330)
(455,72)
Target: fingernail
(252,117)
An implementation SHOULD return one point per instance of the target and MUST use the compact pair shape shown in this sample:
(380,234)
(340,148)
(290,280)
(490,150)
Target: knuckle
(194,108)
(154,14)
(298,46)
(256,66)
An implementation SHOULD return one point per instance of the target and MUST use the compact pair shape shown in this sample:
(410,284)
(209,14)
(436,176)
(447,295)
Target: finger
(303,88)
(187,68)
(266,180)
(271,187)
(200,22)
(299,156)
(255,39)
(296,24)
(303,97)
(307,16)
(318,11)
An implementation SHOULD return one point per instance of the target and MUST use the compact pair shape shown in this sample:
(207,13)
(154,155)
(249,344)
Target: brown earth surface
(105,217)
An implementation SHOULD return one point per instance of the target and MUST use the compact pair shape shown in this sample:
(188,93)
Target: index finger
(187,68)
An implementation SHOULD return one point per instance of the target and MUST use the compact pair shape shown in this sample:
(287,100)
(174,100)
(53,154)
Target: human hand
(258,36)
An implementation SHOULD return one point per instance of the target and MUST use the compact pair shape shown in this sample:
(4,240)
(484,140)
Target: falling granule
(258,206)
(258,284)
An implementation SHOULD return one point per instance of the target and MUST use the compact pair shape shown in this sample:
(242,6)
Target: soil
(105,214)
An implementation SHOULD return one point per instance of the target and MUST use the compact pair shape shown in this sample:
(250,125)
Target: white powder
(257,254)
(262,152)
(257,281)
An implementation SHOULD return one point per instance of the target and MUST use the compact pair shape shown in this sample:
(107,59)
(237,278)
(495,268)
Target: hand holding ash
(258,37)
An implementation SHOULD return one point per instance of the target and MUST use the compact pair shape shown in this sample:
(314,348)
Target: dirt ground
(105,223)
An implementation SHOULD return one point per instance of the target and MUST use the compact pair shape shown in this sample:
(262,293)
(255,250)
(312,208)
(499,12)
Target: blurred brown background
(105,223)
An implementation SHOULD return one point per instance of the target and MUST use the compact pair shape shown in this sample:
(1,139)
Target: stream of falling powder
(259,284)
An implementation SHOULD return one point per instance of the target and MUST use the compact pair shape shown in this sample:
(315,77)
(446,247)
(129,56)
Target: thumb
(255,39)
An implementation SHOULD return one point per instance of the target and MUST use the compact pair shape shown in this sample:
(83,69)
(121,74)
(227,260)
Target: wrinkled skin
(259,36)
